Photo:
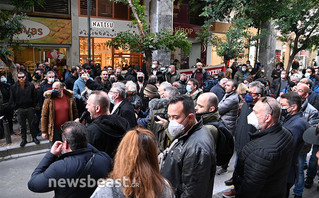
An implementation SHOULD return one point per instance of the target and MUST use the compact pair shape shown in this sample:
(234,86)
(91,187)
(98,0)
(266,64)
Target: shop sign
(188,29)
(32,30)
(105,28)
(212,71)
(46,31)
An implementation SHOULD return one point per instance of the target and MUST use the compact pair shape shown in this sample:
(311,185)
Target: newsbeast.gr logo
(88,182)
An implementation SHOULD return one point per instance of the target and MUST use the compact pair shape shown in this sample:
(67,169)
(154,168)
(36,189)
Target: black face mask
(140,79)
(55,93)
(112,80)
(183,81)
(37,76)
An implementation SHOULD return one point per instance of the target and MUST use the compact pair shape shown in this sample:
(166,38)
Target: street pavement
(15,174)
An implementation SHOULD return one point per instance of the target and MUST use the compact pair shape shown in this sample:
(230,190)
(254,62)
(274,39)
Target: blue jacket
(219,91)
(79,87)
(69,166)
(297,125)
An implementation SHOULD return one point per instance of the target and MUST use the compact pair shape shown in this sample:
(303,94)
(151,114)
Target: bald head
(206,102)
(303,91)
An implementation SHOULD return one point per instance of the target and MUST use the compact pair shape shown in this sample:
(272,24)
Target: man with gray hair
(243,129)
(121,106)
(219,89)
(262,167)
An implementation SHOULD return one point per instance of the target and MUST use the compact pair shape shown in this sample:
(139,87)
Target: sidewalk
(13,150)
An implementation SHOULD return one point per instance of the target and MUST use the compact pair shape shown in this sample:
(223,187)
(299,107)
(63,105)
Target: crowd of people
(160,134)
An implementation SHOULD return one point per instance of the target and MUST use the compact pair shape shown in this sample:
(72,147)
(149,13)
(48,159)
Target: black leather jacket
(190,165)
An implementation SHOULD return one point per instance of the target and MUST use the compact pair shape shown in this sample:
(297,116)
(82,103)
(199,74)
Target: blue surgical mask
(243,69)
(55,93)
(51,80)
(249,98)
(111,98)
(189,88)
(169,70)
(89,92)
(307,75)
(4,79)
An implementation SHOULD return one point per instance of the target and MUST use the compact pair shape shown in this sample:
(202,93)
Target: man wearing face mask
(155,71)
(47,85)
(294,121)
(58,108)
(190,162)
(313,97)
(37,81)
(243,129)
(262,166)
(73,76)
(78,88)
(312,116)
(121,106)
(242,74)
(172,75)
(118,74)
(280,84)
(200,74)
(193,89)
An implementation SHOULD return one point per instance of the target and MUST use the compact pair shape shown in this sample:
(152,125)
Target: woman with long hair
(136,169)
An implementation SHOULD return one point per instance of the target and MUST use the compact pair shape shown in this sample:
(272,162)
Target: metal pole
(89,29)
(6,130)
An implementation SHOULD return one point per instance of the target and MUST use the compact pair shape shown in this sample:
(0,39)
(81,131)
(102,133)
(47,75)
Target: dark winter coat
(190,165)
(218,91)
(126,111)
(106,132)
(297,125)
(69,166)
(263,164)
(275,87)
(243,128)
(313,99)
(69,82)
(23,98)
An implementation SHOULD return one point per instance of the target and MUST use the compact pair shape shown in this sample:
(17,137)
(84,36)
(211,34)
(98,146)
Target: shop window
(121,11)
(84,49)
(105,8)
(84,7)
(56,7)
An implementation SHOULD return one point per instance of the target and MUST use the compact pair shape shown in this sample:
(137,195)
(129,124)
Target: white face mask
(262,71)
(283,76)
(153,66)
(175,128)
(253,120)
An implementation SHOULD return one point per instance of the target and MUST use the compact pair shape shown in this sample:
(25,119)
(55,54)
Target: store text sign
(102,24)
(32,30)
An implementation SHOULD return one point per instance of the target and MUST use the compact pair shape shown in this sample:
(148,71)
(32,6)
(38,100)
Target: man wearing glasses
(23,98)
(263,163)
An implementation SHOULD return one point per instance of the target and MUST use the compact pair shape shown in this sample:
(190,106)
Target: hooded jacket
(48,113)
(106,132)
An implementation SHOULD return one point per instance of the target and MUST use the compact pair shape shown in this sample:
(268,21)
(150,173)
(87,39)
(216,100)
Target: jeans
(57,136)
(23,115)
(313,163)
(300,181)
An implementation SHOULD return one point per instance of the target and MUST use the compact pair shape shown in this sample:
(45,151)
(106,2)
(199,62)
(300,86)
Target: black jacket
(190,165)
(275,86)
(297,125)
(95,85)
(126,110)
(69,82)
(5,90)
(263,164)
(243,128)
(313,99)
(106,132)
(23,98)
(219,91)
(69,166)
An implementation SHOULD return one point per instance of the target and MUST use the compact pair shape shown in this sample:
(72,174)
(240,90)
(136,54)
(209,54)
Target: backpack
(208,84)
(224,144)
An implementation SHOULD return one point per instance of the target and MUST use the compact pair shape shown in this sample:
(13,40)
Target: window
(56,7)
(106,8)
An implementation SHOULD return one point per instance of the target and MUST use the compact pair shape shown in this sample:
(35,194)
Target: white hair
(131,86)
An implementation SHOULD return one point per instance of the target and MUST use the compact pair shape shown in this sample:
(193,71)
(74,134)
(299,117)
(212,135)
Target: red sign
(212,71)
(188,29)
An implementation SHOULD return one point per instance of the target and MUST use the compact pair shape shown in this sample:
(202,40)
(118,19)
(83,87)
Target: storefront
(44,39)
(103,30)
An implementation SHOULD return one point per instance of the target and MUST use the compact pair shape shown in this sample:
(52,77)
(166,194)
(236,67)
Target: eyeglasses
(251,93)
(265,100)
(21,77)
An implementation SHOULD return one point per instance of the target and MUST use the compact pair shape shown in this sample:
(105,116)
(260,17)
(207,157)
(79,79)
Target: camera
(162,115)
